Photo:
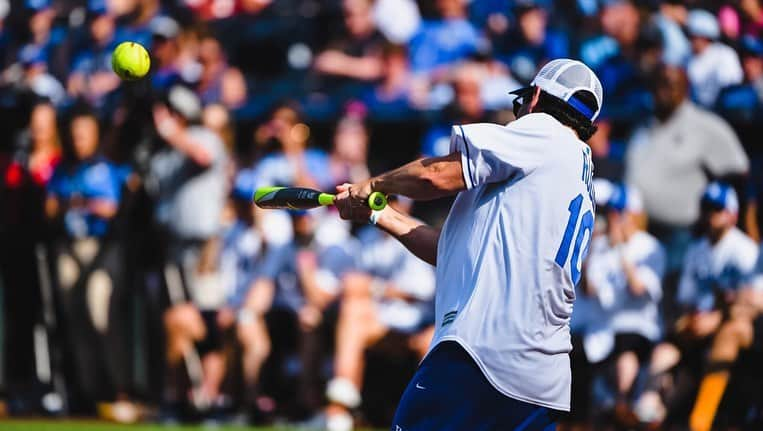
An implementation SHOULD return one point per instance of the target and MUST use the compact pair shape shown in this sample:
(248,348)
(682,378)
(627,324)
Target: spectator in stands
(713,65)
(391,297)
(291,163)
(36,78)
(348,160)
(624,271)
(91,76)
(25,176)
(46,36)
(165,51)
(190,184)
(306,276)
(443,41)
(670,20)
(84,196)
(219,82)
(357,55)
(392,97)
(466,107)
(667,159)
(717,266)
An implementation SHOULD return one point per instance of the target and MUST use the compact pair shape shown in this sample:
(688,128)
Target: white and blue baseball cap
(564,77)
(720,197)
(701,23)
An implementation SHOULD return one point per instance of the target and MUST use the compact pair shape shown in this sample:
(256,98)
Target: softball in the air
(130,61)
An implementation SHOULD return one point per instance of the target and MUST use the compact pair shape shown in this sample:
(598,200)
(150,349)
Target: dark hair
(568,115)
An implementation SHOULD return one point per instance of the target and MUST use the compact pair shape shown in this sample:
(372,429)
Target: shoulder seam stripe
(466,147)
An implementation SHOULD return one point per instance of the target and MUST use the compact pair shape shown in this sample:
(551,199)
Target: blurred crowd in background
(139,283)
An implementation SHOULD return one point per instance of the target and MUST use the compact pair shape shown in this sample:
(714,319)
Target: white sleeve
(650,272)
(492,153)
(687,285)
(416,278)
(731,73)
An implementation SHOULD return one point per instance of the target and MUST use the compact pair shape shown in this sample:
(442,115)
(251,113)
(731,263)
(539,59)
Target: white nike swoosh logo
(418,386)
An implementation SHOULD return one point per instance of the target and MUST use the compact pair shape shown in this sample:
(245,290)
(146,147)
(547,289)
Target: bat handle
(377,201)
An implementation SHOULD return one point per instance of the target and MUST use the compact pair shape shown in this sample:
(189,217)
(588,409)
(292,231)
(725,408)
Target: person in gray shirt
(670,157)
(188,179)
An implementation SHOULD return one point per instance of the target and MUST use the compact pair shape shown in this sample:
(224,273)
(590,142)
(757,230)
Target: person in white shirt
(624,273)
(717,267)
(507,258)
(713,65)
(387,305)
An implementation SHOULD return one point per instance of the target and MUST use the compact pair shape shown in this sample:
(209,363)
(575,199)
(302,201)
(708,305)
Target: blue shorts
(449,392)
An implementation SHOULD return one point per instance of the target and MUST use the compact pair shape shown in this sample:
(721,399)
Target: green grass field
(71,425)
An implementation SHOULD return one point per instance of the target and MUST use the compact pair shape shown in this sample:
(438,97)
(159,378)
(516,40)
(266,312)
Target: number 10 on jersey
(586,228)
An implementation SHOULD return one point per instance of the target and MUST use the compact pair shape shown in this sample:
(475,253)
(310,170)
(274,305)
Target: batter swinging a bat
(508,257)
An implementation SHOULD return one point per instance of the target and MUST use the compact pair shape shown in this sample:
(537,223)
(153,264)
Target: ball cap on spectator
(164,27)
(38,5)
(185,102)
(563,78)
(31,55)
(701,23)
(625,198)
(721,197)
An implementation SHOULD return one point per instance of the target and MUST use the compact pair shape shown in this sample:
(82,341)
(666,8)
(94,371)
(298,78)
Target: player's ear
(535,98)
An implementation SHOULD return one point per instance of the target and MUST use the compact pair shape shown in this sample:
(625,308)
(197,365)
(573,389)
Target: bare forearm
(423,179)
(419,238)
(184,143)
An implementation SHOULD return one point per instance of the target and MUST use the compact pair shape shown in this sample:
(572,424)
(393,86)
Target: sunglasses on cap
(518,101)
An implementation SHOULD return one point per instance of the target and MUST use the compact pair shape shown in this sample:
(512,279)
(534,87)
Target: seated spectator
(392,293)
(219,82)
(667,158)
(291,163)
(717,267)
(624,272)
(713,65)
(91,77)
(358,54)
(306,276)
(84,196)
(445,40)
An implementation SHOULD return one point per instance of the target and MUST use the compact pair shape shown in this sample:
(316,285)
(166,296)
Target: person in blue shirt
(91,76)
(292,163)
(445,40)
(84,195)
(305,276)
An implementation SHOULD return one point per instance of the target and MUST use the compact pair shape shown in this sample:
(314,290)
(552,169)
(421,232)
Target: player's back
(509,253)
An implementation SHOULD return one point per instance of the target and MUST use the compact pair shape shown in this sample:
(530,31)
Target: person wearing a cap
(624,273)
(717,267)
(713,65)
(507,258)
(188,178)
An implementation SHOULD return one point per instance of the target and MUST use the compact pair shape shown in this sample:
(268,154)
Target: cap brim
(520,91)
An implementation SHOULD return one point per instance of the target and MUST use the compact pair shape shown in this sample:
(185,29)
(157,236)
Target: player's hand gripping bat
(298,198)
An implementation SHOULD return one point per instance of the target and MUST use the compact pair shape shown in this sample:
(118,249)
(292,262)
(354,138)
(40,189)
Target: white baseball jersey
(712,268)
(510,251)
(624,312)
